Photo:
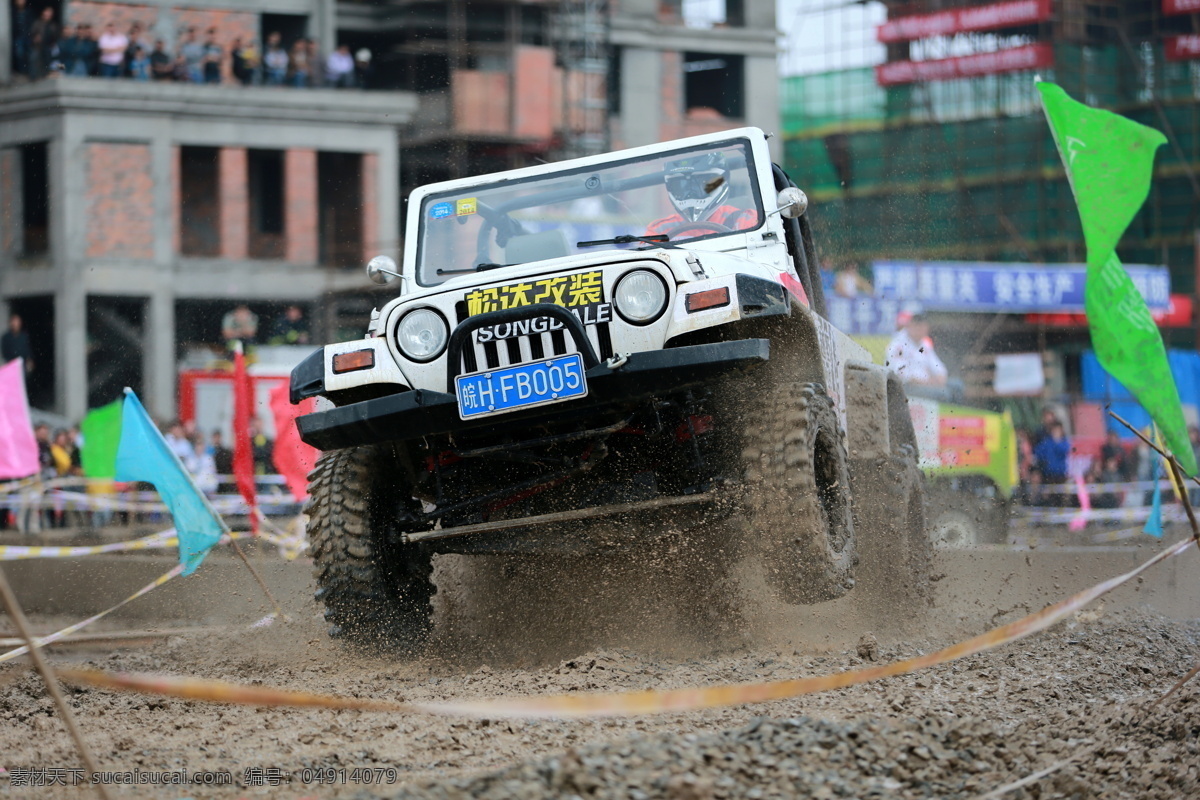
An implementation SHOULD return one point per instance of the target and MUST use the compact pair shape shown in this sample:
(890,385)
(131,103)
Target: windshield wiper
(658,240)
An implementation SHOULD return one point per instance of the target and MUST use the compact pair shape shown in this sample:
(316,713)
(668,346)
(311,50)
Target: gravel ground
(959,730)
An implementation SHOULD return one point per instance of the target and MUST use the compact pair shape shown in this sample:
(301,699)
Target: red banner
(1178,314)
(1181,6)
(1183,48)
(1033,56)
(976,18)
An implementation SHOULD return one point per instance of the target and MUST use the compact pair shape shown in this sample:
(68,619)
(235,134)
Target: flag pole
(51,679)
(224,527)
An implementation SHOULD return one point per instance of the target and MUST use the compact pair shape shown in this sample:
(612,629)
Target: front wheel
(376,591)
(798,494)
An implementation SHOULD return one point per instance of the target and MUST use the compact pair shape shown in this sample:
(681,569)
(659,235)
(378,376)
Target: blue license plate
(550,380)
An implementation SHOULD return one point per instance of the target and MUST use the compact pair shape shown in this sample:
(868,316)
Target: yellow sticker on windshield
(466,206)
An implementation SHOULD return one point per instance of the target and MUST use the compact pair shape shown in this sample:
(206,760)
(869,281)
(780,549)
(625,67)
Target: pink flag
(1080,520)
(18,448)
(293,458)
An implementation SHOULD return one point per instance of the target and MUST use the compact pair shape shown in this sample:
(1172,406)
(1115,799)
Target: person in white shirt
(910,355)
(112,51)
(339,68)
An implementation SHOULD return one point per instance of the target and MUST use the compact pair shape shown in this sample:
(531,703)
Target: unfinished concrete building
(134,215)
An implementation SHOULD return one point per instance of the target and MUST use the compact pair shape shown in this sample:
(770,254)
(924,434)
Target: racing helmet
(697,185)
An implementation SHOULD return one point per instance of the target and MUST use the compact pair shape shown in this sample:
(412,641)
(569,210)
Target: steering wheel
(711,227)
(502,225)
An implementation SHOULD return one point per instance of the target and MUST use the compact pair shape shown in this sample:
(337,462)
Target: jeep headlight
(421,334)
(641,297)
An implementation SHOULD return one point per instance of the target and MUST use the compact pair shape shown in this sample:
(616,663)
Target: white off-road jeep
(595,353)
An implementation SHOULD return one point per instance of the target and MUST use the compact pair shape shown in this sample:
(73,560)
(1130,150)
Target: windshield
(672,197)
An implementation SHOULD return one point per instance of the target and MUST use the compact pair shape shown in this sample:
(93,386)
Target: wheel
(896,546)
(798,499)
(699,225)
(376,590)
(962,519)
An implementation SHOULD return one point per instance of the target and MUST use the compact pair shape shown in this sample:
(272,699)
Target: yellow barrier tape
(42,641)
(650,701)
(290,546)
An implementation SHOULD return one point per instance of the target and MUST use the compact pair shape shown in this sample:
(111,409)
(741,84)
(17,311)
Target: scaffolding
(967,169)
(582,35)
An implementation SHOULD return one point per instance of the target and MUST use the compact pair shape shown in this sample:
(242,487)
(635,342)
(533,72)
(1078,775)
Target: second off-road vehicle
(589,354)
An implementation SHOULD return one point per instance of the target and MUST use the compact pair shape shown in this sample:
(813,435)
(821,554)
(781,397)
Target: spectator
(262,448)
(849,282)
(43,39)
(139,65)
(291,327)
(299,68)
(113,44)
(240,324)
(242,60)
(362,67)
(213,54)
(179,69)
(910,355)
(1105,470)
(15,343)
(62,450)
(89,50)
(192,52)
(137,38)
(1112,449)
(1051,453)
(202,466)
(70,52)
(177,441)
(275,61)
(1025,465)
(162,67)
(222,455)
(339,68)
(22,36)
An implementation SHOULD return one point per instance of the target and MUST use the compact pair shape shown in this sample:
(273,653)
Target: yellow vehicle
(970,458)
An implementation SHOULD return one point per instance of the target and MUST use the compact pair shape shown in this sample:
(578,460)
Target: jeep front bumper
(413,414)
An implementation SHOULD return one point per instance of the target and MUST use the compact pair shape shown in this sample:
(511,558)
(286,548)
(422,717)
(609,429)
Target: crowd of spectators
(42,47)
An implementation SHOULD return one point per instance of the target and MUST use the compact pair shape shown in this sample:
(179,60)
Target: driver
(698,187)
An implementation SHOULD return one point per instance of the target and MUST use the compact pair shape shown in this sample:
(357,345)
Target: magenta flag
(18,448)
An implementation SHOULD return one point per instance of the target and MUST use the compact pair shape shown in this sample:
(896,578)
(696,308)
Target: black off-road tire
(798,494)
(893,534)
(377,591)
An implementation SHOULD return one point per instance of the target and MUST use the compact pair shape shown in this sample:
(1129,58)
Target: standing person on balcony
(213,54)
(89,49)
(162,66)
(22,36)
(299,69)
(339,68)
(43,38)
(275,60)
(70,52)
(192,53)
(113,44)
(240,65)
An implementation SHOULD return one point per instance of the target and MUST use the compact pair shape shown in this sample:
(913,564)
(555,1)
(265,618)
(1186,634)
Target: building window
(199,201)
(716,81)
(35,201)
(340,209)
(265,189)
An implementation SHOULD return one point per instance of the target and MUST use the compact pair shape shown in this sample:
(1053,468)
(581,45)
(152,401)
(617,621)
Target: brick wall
(370,208)
(235,206)
(120,201)
(169,24)
(300,205)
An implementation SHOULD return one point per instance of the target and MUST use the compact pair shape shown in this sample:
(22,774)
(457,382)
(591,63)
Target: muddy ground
(1079,692)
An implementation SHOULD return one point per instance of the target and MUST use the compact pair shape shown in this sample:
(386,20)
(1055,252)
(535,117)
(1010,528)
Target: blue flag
(1154,525)
(143,455)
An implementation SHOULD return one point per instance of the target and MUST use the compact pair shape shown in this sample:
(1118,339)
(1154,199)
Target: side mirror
(382,269)
(792,202)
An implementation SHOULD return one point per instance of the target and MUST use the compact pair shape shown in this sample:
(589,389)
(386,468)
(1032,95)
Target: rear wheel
(798,494)
(376,590)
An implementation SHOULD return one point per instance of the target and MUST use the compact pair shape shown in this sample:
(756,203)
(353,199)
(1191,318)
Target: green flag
(1109,161)
(101,430)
